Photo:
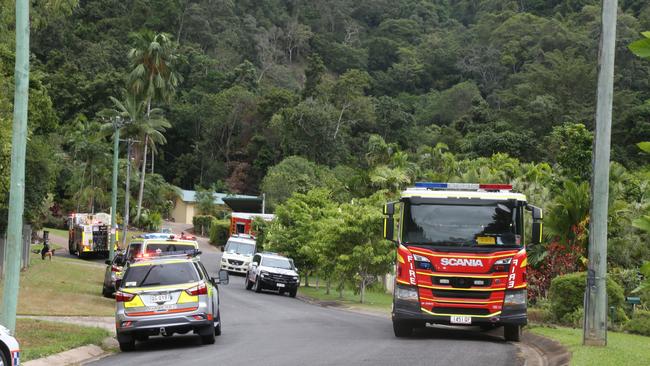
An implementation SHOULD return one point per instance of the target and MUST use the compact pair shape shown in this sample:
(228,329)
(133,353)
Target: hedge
(640,323)
(567,293)
(219,232)
(202,224)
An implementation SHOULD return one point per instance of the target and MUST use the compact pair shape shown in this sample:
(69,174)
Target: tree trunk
(153,154)
(328,285)
(144,172)
(144,167)
(306,278)
(363,290)
(341,286)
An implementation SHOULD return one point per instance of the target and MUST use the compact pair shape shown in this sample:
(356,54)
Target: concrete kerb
(534,350)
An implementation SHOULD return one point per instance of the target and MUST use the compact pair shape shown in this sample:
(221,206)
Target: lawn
(376,300)
(39,338)
(64,286)
(622,348)
(57,232)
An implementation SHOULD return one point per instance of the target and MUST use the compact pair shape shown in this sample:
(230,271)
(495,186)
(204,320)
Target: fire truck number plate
(457,319)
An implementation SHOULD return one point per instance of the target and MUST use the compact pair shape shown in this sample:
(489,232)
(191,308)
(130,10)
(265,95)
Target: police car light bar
(463,186)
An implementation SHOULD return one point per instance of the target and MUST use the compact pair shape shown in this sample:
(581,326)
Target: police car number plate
(161,298)
(280,284)
(457,319)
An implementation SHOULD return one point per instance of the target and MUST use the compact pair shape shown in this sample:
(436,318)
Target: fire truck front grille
(462,282)
(461,294)
(463,311)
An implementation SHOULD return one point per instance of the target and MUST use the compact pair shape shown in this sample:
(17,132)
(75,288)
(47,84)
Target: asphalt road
(267,329)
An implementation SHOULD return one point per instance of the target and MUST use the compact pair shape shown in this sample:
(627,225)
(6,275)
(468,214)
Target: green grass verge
(39,338)
(375,300)
(622,348)
(64,286)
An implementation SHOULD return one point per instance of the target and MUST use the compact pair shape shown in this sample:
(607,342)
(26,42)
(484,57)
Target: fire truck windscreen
(466,223)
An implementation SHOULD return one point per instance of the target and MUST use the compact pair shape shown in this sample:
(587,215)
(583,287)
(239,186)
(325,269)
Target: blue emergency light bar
(463,186)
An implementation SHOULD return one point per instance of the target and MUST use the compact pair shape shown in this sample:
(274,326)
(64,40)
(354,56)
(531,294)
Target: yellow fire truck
(89,234)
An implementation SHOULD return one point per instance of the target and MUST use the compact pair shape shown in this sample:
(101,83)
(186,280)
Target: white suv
(272,272)
(238,253)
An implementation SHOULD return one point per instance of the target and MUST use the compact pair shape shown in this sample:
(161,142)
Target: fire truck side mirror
(389,224)
(536,235)
(389,209)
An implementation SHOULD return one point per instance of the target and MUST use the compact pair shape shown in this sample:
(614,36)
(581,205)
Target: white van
(238,253)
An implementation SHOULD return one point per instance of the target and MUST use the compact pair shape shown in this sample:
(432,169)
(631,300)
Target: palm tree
(139,125)
(153,78)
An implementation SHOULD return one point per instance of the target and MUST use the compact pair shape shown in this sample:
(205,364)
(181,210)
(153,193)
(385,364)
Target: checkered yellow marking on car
(184,298)
(134,303)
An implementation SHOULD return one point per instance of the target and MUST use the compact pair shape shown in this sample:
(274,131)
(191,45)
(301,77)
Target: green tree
(152,77)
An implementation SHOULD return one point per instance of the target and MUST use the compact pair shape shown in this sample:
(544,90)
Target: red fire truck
(242,222)
(461,256)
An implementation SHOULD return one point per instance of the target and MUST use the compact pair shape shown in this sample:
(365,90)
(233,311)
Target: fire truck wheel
(402,328)
(512,332)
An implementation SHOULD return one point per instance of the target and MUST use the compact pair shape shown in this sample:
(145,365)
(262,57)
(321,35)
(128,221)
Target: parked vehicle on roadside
(9,348)
(238,253)
(270,271)
(89,234)
(113,272)
(166,295)
(461,256)
(143,247)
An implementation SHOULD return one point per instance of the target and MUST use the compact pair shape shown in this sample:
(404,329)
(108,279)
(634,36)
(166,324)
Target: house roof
(190,196)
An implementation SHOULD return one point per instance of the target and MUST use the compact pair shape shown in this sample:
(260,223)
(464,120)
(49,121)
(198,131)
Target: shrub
(566,295)
(640,323)
(202,224)
(219,232)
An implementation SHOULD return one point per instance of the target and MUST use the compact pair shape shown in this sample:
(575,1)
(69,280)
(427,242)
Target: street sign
(633,300)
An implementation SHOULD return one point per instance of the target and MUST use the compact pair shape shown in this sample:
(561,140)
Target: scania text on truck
(461,256)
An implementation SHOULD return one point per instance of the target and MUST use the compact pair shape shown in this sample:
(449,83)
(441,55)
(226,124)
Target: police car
(9,349)
(166,295)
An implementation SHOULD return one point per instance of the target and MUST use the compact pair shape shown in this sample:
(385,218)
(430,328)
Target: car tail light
(115,268)
(123,296)
(200,289)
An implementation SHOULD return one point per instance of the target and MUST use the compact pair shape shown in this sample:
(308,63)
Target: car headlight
(406,293)
(515,298)
(264,274)
(295,278)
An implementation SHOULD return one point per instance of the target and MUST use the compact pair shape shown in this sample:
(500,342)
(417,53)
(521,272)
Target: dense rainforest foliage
(319,103)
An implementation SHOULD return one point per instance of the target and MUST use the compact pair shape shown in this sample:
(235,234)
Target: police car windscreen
(169,247)
(481,224)
(160,275)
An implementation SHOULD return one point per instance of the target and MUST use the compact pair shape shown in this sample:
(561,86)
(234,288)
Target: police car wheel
(3,359)
(107,292)
(127,346)
(217,328)
(207,335)
(293,293)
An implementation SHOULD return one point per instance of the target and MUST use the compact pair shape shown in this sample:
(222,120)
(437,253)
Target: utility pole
(17,186)
(116,156)
(127,191)
(595,324)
